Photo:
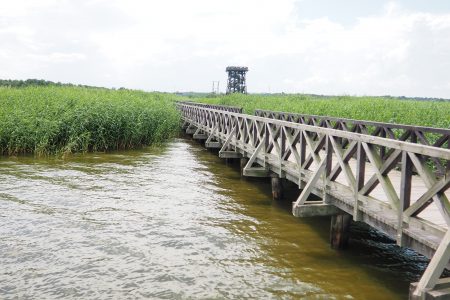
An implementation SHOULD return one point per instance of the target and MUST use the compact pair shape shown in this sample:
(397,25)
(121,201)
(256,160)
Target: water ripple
(172,223)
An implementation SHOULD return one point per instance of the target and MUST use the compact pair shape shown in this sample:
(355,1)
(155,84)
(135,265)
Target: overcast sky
(355,47)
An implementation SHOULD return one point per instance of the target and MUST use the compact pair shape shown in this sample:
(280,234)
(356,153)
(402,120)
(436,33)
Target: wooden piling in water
(277,187)
(340,231)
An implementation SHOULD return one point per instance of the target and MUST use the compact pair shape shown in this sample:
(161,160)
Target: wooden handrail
(293,117)
(213,106)
(420,149)
(429,136)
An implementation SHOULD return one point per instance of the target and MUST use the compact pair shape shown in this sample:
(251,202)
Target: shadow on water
(370,252)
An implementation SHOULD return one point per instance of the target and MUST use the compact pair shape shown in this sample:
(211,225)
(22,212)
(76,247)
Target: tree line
(40,82)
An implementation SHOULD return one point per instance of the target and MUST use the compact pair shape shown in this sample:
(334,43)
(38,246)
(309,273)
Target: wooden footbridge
(396,178)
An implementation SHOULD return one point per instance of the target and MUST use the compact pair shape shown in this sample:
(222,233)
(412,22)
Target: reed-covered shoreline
(47,120)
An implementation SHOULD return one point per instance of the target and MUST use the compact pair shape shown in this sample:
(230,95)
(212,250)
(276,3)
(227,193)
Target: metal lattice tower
(236,80)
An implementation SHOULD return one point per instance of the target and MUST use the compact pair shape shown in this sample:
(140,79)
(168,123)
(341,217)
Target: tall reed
(50,119)
(382,109)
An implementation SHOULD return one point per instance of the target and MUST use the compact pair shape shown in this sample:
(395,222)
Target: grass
(61,120)
(400,111)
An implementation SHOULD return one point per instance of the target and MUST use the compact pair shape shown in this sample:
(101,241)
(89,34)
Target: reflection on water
(174,223)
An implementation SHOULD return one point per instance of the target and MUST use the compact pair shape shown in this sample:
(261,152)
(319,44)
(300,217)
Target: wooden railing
(429,136)
(315,153)
(213,106)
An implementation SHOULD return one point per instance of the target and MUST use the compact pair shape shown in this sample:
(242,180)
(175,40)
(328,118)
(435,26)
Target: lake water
(175,222)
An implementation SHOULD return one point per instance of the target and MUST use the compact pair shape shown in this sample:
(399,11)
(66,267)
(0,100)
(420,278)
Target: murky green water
(174,223)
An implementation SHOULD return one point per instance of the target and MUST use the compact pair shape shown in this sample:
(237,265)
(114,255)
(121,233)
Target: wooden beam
(387,166)
(344,165)
(314,209)
(256,172)
(349,152)
(311,184)
(359,182)
(199,136)
(213,145)
(191,129)
(251,171)
(385,182)
(405,194)
(429,179)
(427,198)
(435,267)
(229,154)
(441,291)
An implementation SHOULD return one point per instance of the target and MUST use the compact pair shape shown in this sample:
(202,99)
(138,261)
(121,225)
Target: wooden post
(328,166)
(405,194)
(243,163)
(382,149)
(448,147)
(340,230)
(302,147)
(277,188)
(360,176)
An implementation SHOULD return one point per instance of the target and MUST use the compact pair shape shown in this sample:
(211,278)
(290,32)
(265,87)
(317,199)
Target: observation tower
(236,80)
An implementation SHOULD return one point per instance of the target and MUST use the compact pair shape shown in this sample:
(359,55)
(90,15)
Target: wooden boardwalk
(395,178)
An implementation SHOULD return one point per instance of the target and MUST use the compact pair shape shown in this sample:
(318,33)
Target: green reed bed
(413,112)
(53,120)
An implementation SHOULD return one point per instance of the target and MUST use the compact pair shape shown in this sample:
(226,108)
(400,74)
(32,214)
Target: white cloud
(23,8)
(58,57)
(184,45)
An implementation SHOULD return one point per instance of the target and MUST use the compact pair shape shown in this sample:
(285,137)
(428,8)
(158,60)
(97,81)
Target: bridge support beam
(211,142)
(229,154)
(430,286)
(199,136)
(277,187)
(314,209)
(256,172)
(441,291)
(213,145)
(340,230)
(191,129)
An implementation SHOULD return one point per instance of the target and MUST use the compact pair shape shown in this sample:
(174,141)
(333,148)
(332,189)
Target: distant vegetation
(382,109)
(317,96)
(39,82)
(59,119)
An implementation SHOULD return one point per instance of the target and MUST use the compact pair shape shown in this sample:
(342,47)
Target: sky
(346,47)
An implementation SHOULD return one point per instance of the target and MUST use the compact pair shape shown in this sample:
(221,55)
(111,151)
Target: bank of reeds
(392,110)
(61,120)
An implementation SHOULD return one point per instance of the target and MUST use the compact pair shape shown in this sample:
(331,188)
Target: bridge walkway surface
(395,178)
